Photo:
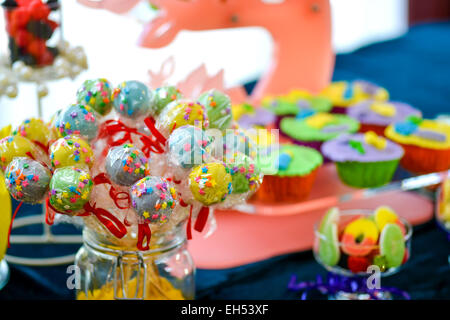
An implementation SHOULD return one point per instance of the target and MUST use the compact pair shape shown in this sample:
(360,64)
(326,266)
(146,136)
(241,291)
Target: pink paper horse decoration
(301,30)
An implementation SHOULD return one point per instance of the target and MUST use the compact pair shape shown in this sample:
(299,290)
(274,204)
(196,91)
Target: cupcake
(312,129)
(344,94)
(292,103)
(377,115)
(364,160)
(426,144)
(289,174)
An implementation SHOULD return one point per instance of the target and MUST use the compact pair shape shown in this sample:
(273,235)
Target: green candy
(245,174)
(70,189)
(381,262)
(358,146)
(392,245)
(328,250)
(218,107)
(96,94)
(162,97)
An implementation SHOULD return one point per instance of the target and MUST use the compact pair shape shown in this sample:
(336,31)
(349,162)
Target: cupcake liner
(420,160)
(379,130)
(276,189)
(339,110)
(366,174)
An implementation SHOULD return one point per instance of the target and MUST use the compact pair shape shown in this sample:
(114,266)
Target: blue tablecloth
(414,68)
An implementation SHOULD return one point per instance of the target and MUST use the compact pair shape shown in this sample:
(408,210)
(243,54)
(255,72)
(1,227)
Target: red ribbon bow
(111,127)
(144,236)
(115,195)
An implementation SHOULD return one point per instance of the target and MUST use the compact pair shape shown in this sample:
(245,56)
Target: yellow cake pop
(210,183)
(71,151)
(15,146)
(181,113)
(36,131)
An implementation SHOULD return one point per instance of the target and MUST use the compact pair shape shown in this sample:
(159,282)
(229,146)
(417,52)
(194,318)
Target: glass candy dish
(354,245)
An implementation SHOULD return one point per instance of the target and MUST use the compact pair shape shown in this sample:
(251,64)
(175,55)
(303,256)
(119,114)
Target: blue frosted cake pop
(188,146)
(27,180)
(153,199)
(132,99)
(78,120)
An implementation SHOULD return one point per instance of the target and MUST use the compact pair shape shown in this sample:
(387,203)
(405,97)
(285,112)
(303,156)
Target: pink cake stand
(272,230)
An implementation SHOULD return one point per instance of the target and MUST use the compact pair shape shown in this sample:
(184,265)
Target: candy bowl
(358,247)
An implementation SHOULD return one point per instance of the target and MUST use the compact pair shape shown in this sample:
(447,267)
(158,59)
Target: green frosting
(96,94)
(304,160)
(218,107)
(300,130)
(70,189)
(162,97)
(281,107)
(245,174)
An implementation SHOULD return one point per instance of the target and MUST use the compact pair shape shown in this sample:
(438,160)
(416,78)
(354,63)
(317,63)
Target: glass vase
(110,268)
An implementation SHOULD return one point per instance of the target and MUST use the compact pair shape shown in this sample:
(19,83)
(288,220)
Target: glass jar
(34,31)
(115,269)
(4,273)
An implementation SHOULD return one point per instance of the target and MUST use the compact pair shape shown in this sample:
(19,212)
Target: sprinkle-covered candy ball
(236,141)
(188,146)
(132,99)
(126,164)
(78,120)
(70,189)
(36,131)
(153,199)
(245,175)
(96,94)
(71,151)
(181,113)
(15,146)
(27,180)
(162,97)
(210,183)
(218,107)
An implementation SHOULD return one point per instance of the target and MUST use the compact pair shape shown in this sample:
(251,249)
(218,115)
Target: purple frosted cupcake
(364,160)
(376,116)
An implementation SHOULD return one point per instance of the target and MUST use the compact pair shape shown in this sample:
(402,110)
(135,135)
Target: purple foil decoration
(334,283)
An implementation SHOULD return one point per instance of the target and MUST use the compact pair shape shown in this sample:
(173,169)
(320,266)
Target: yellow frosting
(419,141)
(71,151)
(35,130)
(15,146)
(335,92)
(210,183)
(374,140)
(383,108)
(320,120)
(186,113)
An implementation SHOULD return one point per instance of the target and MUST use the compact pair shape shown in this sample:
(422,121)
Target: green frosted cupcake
(312,129)
(162,97)
(218,107)
(289,174)
(364,160)
(297,100)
